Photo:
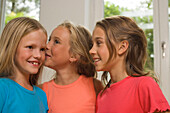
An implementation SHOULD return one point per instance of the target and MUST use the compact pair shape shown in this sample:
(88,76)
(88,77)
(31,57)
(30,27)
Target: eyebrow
(98,38)
(55,37)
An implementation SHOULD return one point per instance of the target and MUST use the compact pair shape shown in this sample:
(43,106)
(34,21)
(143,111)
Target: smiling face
(57,53)
(30,53)
(99,51)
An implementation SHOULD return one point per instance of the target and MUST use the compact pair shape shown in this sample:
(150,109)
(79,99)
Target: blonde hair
(9,40)
(80,44)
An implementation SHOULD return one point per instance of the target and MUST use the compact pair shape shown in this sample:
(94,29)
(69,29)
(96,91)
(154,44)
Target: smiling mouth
(35,63)
(47,55)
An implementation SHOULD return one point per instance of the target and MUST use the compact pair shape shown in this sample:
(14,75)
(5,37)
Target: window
(18,8)
(142,12)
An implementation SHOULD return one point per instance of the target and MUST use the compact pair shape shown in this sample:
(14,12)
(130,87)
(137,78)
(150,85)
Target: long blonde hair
(80,44)
(9,40)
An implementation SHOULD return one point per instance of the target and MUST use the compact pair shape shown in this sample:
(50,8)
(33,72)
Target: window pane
(142,12)
(18,8)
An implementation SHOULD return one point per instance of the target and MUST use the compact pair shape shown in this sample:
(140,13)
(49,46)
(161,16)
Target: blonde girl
(22,53)
(73,88)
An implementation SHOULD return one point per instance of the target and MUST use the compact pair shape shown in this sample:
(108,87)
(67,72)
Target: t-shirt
(132,95)
(77,97)
(16,99)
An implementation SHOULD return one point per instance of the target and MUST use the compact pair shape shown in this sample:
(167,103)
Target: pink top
(132,95)
(78,97)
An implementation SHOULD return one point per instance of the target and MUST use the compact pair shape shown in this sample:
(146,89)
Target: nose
(92,50)
(37,54)
(48,46)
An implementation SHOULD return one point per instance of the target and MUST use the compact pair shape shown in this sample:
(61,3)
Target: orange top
(78,97)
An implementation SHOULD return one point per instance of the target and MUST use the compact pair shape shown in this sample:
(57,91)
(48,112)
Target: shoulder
(147,86)
(145,81)
(98,86)
(142,81)
(46,85)
(39,91)
(5,82)
(5,86)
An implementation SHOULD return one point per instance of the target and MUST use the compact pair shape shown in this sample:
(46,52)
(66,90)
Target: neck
(118,72)
(23,80)
(66,76)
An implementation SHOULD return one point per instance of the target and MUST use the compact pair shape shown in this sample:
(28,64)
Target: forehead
(37,37)
(60,32)
(98,32)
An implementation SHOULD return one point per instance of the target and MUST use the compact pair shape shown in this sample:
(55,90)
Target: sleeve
(151,96)
(3,94)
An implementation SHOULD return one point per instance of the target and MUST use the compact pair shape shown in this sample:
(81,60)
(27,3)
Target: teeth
(35,63)
(96,60)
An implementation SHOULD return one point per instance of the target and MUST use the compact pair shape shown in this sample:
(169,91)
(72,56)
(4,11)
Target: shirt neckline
(69,85)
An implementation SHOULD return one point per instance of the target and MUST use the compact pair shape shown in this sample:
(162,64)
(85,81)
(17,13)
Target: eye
(29,47)
(42,49)
(98,42)
(56,41)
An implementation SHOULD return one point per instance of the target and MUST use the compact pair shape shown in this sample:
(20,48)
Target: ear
(123,46)
(72,59)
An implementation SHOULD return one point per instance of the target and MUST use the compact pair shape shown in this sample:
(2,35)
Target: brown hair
(119,28)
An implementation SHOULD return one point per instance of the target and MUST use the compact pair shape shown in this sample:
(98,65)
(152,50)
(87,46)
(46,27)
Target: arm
(98,86)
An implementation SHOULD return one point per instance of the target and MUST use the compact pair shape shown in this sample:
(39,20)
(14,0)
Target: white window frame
(161,34)
(2,14)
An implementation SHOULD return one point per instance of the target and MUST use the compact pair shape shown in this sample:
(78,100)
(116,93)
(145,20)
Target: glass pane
(18,8)
(142,12)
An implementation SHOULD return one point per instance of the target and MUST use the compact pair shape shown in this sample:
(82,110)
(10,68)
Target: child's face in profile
(58,54)
(99,51)
(30,53)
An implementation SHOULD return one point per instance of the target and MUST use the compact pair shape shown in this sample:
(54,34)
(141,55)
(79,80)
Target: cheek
(104,53)
(43,56)
(55,51)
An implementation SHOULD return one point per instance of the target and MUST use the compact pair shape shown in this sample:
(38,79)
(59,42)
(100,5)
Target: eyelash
(56,41)
(29,47)
(42,49)
(98,43)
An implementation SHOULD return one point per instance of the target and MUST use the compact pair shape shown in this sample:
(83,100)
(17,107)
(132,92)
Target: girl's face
(30,53)
(57,53)
(99,51)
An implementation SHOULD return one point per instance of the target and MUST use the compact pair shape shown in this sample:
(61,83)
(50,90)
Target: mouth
(47,55)
(34,63)
(96,60)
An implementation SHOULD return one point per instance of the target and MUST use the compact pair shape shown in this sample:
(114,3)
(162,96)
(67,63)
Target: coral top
(132,95)
(78,97)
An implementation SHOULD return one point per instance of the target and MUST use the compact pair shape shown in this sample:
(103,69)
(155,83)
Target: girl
(72,90)
(119,47)
(22,53)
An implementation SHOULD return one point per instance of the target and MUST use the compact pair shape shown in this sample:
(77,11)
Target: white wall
(54,12)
